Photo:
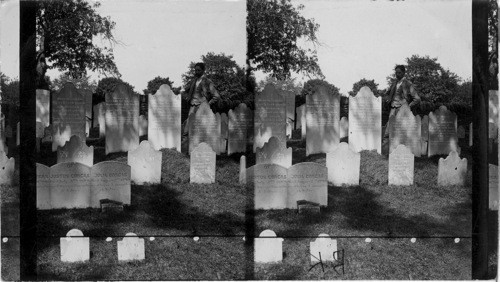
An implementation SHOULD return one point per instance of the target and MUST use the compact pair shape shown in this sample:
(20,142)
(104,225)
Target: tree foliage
(155,83)
(493,43)
(108,85)
(229,80)
(273,30)
(365,82)
(65,38)
(9,91)
(83,82)
(288,85)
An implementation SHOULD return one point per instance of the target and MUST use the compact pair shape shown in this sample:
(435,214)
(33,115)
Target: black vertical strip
(249,233)
(27,173)
(480,139)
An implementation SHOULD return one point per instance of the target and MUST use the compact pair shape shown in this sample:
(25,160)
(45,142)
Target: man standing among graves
(200,89)
(400,93)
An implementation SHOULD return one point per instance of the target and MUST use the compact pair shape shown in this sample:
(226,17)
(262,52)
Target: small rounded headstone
(267,233)
(5,239)
(151,238)
(196,238)
(109,239)
(413,240)
(74,233)
(244,238)
(368,240)
(130,234)
(457,240)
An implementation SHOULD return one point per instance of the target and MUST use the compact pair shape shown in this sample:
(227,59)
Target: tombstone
(243,170)
(365,121)
(164,116)
(204,127)
(423,147)
(300,112)
(143,125)
(461,132)
(323,247)
(87,97)
(274,152)
(303,131)
(405,129)
(239,122)
(442,132)
(145,164)
(95,116)
(75,150)
(452,170)
(131,248)
(270,186)
(111,181)
(70,185)
(493,187)
(401,166)
(202,164)
(68,115)
(43,187)
(268,248)
(344,127)
(43,107)
(270,116)
(307,181)
(224,132)
(122,120)
(75,247)
(102,119)
(7,167)
(322,121)
(424,132)
(343,165)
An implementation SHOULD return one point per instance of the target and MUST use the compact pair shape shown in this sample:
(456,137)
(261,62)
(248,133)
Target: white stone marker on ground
(75,247)
(269,117)
(452,170)
(323,247)
(131,248)
(365,121)
(268,248)
(343,165)
(164,117)
(401,166)
(202,164)
(145,164)
(274,152)
(307,181)
(76,150)
(43,187)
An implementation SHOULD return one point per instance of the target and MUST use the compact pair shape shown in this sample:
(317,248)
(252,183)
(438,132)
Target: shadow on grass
(10,219)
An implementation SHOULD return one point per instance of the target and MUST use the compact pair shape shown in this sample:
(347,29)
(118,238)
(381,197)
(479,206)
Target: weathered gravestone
(95,116)
(75,247)
(202,164)
(70,185)
(7,167)
(424,131)
(343,165)
(274,152)
(322,121)
(268,248)
(270,116)
(461,132)
(43,187)
(493,187)
(239,122)
(131,248)
(452,170)
(270,186)
(344,127)
(145,164)
(307,181)
(405,129)
(223,132)
(204,126)
(365,121)
(75,150)
(68,115)
(111,181)
(102,119)
(401,166)
(164,115)
(442,132)
(42,108)
(87,98)
(122,120)
(323,248)
(143,125)
(300,113)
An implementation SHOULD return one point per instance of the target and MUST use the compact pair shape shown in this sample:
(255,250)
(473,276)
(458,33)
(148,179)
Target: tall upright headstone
(401,166)
(365,121)
(102,119)
(110,180)
(43,187)
(75,247)
(274,152)
(122,120)
(268,248)
(95,116)
(452,170)
(204,127)
(131,248)
(307,181)
(425,128)
(442,132)
(224,132)
(343,165)
(70,185)
(42,108)
(76,150)
(298,121)
(322,121)
(270,116)
(405,130)
(270,186)
(344,127)
(145,164)
(202,164)
(240,120)
(164,117)
(68,115)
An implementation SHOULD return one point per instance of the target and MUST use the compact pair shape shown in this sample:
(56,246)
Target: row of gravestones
(76,248)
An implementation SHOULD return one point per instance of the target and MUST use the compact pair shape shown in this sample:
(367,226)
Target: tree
(229,80)
(364,82)
(493,43)
(288,85)
(65,38)
(273,29)
(82,83)
(155,83)
(108,85)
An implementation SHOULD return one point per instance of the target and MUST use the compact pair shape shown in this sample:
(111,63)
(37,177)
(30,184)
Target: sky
(358,39)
